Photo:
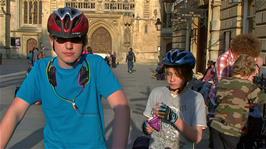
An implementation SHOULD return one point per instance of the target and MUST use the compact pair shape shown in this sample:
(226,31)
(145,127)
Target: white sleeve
(150,104)
(200,112)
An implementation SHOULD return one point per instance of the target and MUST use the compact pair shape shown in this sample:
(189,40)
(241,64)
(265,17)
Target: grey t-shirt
(189,105)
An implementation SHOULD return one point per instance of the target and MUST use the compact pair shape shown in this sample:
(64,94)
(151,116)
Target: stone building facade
(228,18)
(189,25)
(208,35)
(114,26)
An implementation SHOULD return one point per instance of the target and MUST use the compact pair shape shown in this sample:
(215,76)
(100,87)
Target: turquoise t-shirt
(66,127)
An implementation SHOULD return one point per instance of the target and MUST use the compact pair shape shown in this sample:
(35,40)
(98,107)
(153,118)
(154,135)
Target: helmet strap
(53,46)
(177,90)
(174,91)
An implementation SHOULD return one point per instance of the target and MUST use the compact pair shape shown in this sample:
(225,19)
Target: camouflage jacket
(234,97)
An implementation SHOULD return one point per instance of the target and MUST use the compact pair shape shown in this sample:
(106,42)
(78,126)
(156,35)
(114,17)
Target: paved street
(29,133)
(13,65)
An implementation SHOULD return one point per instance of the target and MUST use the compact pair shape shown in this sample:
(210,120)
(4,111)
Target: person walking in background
(107,60)
(47,51)
(236,94)
(35,52)
(130,59)
(87,50)
(180,110)
(209,79)
(41,55)
(71,87)
(210,73)
(159,71)
(30,57)
(113,59)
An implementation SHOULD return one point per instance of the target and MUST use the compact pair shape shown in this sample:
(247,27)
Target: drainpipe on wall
(245,16)
(188,27)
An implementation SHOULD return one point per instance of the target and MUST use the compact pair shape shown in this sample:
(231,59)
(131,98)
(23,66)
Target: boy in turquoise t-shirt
(71,87)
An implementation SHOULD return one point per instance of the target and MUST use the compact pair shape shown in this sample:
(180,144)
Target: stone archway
(101,41)
(31,43)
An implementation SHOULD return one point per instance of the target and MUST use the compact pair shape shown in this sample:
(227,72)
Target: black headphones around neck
(84,73)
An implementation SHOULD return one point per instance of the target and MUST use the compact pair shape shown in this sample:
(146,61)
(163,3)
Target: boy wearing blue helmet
(180,111)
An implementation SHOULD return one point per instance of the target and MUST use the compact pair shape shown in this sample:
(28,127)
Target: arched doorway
(31,43)
(101,41)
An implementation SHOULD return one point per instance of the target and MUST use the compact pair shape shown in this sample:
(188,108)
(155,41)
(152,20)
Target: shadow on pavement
(29,141)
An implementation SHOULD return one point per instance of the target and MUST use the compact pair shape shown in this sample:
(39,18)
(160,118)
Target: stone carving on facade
(2,2)
(99,5)
(155,14)
(4,9)
(127,34)
(127,30)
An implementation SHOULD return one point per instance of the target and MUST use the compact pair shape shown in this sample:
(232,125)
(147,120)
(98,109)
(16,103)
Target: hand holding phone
(155,123)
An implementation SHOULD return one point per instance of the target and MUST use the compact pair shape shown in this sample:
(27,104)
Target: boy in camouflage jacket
(235,95)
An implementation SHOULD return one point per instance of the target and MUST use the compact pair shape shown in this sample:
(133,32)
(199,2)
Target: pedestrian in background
(107,60)
(87,50)
(30,57)
(71,87)
(41,55)
(130,59)
(209,79)
(210,73)
(236,94)
(181,110)
(113,59)
(159,71)
(35,53)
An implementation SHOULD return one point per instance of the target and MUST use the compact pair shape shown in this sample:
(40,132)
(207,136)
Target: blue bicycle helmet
(176,57)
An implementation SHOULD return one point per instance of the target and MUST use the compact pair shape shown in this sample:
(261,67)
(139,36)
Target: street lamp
(158,24)
(168,5)
(182,16)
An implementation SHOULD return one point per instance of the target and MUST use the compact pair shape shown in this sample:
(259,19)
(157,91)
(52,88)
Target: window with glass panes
(32,11)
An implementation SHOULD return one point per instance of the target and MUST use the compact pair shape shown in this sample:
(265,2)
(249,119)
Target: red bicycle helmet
(67,23)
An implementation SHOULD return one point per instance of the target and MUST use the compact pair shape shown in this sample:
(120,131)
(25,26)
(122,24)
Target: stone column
(5,28)
(214,22)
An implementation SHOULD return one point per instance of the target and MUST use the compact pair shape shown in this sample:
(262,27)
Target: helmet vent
(58,21)
(67,22)
(76,21)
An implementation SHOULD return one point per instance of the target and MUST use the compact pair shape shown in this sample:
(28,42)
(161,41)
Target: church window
(85,4)
(32,11)
(107,5)
(146,12)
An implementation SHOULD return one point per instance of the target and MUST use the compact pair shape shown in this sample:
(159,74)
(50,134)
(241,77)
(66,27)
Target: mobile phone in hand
(155,123)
